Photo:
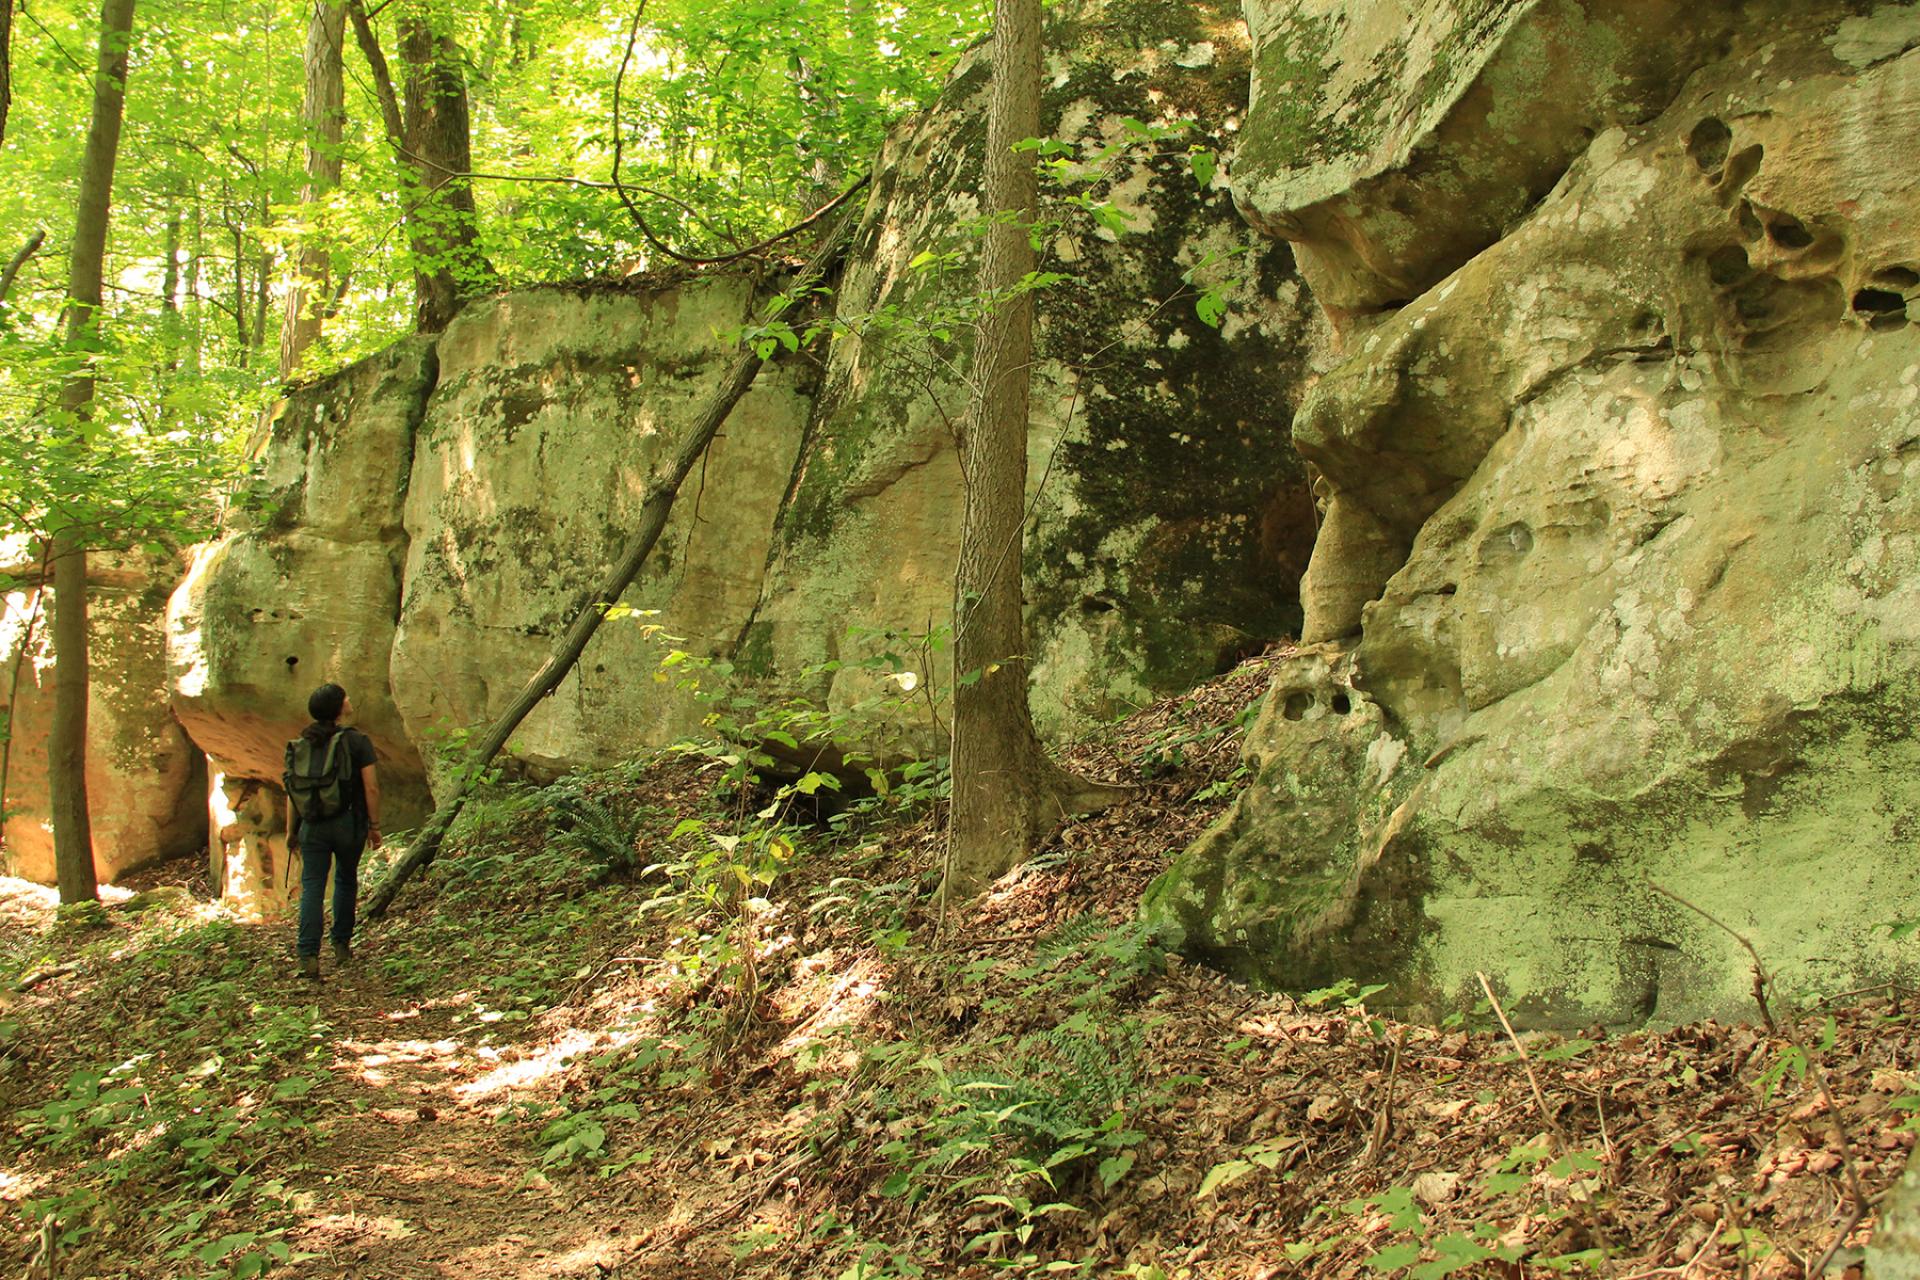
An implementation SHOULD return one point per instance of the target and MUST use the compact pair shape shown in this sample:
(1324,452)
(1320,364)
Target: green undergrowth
(172,1100)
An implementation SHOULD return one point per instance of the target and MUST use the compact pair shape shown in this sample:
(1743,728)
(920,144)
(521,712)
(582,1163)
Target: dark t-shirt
(362,748)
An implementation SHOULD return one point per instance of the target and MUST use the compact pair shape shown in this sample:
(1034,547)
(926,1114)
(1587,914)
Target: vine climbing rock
(1635,488)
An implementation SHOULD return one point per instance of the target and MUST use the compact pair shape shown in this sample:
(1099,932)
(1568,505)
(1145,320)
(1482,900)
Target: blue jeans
(334,842)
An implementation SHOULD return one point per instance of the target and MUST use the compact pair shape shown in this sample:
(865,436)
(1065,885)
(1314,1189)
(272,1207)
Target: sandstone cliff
(427,520)
(1618,581)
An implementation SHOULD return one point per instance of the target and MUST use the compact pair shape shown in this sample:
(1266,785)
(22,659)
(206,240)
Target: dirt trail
(410,1175)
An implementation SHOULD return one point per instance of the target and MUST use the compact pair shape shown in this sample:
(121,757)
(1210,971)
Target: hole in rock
(1447,589)
(1708,144)
(1878,301)
(1296,705)
(1887,323)
(1902,278)
(1750,228)
(1096,604)
(1740,171)
(1728,265)
(292,662)
(1342,704)
(1789,232)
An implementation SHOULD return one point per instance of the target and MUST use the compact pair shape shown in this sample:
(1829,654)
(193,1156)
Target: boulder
(553,407)
(144,777)
(1391,140)
(1170,515)
(301,589)
(501,467)
(1637,602)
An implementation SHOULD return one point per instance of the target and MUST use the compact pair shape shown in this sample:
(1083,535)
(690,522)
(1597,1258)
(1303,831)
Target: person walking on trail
(334,810)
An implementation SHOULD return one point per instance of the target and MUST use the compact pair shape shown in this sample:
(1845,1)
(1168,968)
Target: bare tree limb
(1539,1098)
(639,219)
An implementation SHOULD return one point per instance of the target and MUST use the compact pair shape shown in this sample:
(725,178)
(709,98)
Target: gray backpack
(319,776)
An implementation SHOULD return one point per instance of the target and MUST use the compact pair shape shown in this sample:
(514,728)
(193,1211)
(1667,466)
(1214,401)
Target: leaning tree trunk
(654,509)
(323,108)
(67,739)
(444,227)
(1007,795)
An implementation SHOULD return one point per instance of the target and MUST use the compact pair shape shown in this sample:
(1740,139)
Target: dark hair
(326,702)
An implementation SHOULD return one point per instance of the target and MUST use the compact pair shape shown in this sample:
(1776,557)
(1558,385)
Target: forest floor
(574,1051)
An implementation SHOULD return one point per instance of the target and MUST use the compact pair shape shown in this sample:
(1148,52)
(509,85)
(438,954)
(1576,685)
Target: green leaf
(1211,307)
(1564,1050)
(1394,1257)
(225,1245)
(1221,1175)
(1204,166)
(1455,1252)
(1114,1168)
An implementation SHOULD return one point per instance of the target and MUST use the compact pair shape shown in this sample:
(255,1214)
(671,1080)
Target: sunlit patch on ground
(538,1066)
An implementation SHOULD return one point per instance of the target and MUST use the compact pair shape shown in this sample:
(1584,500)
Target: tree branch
(27,250)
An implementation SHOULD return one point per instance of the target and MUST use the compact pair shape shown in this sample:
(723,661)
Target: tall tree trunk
(6,63)
(655,506)
(170,273)
(196,335)
(67,739)
(243,343)
(262,296)
(323,112)
(448,264)
(1007,795)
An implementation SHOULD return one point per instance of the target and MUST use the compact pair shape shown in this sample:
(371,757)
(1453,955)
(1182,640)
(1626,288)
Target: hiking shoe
(342,953)
(310,967)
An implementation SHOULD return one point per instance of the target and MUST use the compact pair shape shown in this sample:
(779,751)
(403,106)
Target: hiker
(345,803)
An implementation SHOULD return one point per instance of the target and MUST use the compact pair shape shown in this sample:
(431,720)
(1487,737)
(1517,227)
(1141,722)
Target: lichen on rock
(1619,556)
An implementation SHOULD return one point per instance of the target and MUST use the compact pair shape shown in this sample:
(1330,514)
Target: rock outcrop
(302,589)
(145,780)
(431,518)
(1170,514)
(1619,582)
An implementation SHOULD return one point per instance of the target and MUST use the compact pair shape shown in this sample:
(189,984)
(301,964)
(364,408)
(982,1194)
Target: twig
(1761,978)
(27,250)
(1383,1122)
(1539,1098)
(1862,1202)
(33,980)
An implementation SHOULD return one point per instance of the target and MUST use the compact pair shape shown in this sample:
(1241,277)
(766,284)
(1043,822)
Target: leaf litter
(530,1073)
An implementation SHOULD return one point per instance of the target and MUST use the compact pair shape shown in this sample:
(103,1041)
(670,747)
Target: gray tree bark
(448,264)
(323,116)
(67,738)
(1007,794)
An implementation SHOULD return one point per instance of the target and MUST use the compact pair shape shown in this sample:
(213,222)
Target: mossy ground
(562,1058)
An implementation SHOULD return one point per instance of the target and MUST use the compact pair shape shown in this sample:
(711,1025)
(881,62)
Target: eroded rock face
(303,590)
(552,408)
(144,778)
(1391,140)
(497,472)
(1637,492)
(1170,514)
